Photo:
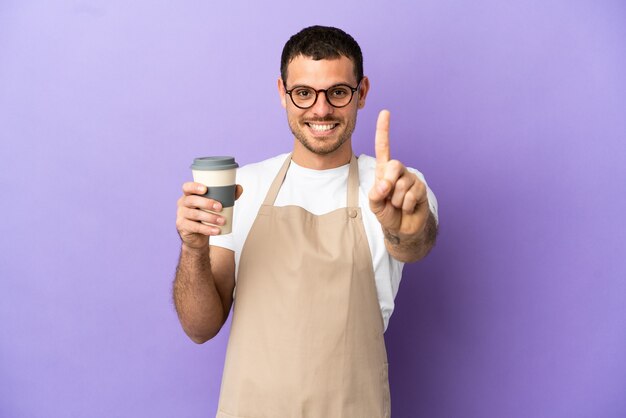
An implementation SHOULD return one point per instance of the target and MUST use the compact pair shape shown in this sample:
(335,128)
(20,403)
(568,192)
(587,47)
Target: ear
(364,88)
(281,92)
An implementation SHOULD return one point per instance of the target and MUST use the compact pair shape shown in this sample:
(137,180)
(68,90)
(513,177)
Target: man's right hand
(191,213)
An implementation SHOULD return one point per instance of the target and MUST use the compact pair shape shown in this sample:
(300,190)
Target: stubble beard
(324,147)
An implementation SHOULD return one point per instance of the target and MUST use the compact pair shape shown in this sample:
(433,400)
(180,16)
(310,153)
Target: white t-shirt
(319,192)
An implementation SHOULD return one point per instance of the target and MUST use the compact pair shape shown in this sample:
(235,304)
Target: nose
(322,107)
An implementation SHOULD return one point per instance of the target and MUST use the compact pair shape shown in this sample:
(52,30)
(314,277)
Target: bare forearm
(412,248)
(197,300)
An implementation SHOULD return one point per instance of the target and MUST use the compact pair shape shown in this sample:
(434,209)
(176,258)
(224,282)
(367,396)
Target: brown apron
(307,332)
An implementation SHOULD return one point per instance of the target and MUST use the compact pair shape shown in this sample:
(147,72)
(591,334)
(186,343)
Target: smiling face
(322,132)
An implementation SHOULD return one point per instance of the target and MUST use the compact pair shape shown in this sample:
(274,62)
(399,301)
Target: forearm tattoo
(393,239)
(425,241)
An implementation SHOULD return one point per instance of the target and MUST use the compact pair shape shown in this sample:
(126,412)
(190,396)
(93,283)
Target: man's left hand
(398,197)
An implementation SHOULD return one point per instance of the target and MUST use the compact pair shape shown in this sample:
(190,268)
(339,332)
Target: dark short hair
(322,42)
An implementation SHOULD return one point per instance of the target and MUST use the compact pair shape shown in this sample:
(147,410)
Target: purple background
(515,111)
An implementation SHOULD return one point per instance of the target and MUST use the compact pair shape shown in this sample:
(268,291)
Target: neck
(308,159)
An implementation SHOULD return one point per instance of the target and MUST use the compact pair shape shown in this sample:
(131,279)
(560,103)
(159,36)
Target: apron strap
(270,198)
(353,183)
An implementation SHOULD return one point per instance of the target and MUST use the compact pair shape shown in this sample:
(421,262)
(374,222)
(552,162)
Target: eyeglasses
(304,97)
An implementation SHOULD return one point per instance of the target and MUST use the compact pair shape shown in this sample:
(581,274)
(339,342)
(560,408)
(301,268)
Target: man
(317,250)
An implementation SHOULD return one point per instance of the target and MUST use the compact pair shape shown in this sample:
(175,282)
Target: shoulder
(367,170)
(366,162)
(260,171)
(256,179)
(262,166)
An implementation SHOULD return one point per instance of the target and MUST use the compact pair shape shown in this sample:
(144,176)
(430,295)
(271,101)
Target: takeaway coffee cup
(218,174)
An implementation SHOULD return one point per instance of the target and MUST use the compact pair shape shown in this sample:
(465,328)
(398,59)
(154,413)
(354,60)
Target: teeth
(321,128)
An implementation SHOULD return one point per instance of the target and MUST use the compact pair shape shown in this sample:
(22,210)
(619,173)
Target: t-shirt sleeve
(224,241)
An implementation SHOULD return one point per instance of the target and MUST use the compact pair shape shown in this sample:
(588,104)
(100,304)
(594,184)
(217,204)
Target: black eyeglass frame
(317,93)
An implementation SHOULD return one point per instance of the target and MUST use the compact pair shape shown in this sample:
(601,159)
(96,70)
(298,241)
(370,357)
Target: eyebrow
(344,83)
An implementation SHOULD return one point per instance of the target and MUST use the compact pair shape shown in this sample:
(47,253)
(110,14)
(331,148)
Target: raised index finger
(383,154)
